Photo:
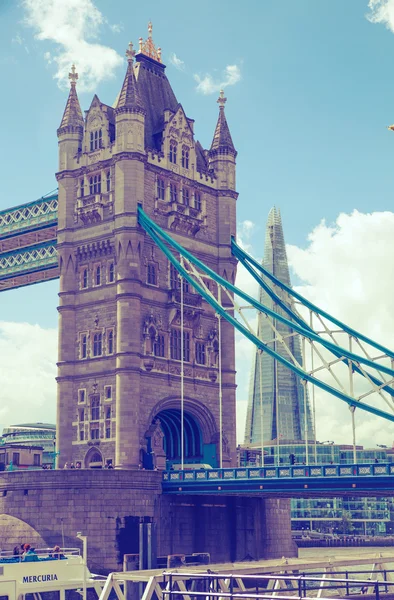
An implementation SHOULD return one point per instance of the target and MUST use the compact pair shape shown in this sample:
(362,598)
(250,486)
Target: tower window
(96,139)
(173,192)
(108,180)
(186,196)
(185,285)
(95,409)
(81,396)
(108,412)
(108,392)
(82,187)
(95,184)
(161,189)
(110,341)
(81,435)
(111,272)
(173,152)
(174,279)
(97,344)
(108,432)
(185,158)
(84,346)
(98,275)
(84,278)
(151,274)
(186,346)
(200,353)
(158,346)
(82,414)
(175,344)
(197,201)
(95,433)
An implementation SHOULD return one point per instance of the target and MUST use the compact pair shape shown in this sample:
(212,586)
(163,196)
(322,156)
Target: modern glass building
(285,407)
(33,434)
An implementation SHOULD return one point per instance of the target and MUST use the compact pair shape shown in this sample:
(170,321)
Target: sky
(310,95)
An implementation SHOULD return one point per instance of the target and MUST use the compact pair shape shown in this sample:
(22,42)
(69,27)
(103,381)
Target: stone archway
(199,433)
(14,532)
(93,459)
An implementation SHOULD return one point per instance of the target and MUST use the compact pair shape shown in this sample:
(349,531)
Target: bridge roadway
(285,481)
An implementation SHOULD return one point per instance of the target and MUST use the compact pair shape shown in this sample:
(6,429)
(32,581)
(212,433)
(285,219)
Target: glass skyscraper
(286,411)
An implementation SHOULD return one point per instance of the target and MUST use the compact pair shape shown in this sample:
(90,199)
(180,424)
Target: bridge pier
(108,505)
(230,528)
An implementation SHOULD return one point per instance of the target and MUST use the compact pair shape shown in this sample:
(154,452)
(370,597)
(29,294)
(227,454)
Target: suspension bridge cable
(248,334)
(238,252)
(182,374)
(304,324)
(146,221)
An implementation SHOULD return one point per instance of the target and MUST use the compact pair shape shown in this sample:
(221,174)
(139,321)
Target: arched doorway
(94,459)
(170,422)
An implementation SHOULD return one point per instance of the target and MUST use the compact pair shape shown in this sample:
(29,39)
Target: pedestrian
(16,551)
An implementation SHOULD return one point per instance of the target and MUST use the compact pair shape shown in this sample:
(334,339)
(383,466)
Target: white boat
(45,575)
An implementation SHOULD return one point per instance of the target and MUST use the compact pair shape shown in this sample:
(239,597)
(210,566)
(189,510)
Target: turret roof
(129,97)
(72,116)
(222,138)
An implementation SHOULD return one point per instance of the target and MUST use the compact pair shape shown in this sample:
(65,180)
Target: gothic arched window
(98,275)
(97,344)
(185,158)
(95,409)
(111,273)
(173,152)
(110,342)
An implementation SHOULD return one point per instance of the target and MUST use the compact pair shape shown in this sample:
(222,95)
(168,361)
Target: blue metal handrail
(281,472)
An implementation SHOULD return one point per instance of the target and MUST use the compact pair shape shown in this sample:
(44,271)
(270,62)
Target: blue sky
(312,96)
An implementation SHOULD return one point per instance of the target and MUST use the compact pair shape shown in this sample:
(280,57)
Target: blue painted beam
(29,217)
(285,481)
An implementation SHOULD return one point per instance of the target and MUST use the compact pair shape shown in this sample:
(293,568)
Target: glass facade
(355,516)
(37,434)
(285,404)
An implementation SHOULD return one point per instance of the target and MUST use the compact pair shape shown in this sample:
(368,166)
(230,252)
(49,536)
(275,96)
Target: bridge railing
(282,472)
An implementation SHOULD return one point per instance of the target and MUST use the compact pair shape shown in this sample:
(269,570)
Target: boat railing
(39,555)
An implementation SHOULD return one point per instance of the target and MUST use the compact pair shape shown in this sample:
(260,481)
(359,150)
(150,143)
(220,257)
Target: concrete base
(108,505)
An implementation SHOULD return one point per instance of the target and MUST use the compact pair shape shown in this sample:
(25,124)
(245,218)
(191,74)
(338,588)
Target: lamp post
(84,541)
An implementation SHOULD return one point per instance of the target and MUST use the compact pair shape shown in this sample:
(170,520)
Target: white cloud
(177,62)
(27,375)
(18,39)
(209,85)
(382,11)
(347,271)
(72,26)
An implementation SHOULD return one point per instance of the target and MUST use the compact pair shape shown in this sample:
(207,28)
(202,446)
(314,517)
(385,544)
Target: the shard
(286,411)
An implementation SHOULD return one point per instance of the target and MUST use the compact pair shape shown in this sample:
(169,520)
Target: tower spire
(222,141)
(72,116)
(148,47)
(129,97)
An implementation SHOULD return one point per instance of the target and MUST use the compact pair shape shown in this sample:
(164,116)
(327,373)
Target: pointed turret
(280,393)
(130,112)
(222,154)
(129,97)
(72,116)
(70,132)
(222,141)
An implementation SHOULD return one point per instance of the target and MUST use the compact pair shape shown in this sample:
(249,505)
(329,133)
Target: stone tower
(119,300)
(285,400)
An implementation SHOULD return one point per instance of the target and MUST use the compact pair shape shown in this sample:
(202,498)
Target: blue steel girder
(28,265)
(286,481)
(28,239)
(27,217)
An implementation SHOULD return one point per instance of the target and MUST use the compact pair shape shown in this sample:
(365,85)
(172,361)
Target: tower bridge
(141,234)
